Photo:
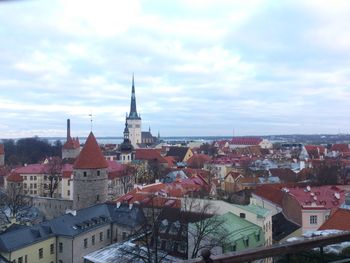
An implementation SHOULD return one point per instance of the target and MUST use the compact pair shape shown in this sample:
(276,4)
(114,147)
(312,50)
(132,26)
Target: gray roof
(72,225)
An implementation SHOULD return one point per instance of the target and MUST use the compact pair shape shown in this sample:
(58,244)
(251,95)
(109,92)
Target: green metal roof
(258,210)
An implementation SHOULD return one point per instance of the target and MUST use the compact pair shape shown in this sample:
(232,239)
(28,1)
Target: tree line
(29,150)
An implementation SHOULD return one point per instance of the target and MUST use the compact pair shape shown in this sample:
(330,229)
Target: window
(101,236)
(45,177)
(97,197)
(68,182)
(34,185)
(313,219)
(25,259)
(60,261)
(60,247)
(93,240)
(31,178)
(41,253)
(25,177)
(84,174)
(108,233)
(246,241)
(34,178)
(20,260)
(68,192)
(85,243)
(52,249)
(25,185)
(98,172)
(31,186)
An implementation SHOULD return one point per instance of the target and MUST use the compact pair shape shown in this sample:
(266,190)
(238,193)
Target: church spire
(133,112)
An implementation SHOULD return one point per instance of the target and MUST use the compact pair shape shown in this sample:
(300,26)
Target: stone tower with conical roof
(134,119)
(90,177)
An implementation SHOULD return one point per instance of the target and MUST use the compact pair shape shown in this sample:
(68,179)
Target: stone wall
(52,207)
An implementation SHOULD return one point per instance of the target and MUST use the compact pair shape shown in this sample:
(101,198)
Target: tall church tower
(134,120)
(90,177)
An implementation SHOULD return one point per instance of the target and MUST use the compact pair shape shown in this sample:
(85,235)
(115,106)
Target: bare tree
(208,231)
(145,239)
(14,200)
(127,178)
(54,172)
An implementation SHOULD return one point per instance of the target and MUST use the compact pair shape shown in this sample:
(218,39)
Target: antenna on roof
(90,120)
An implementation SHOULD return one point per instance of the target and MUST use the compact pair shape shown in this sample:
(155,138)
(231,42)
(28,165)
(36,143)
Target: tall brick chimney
(68,129)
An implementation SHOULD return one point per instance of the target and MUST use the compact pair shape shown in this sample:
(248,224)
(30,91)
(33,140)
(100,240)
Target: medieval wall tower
(134,120)
(71,148)
(90,176)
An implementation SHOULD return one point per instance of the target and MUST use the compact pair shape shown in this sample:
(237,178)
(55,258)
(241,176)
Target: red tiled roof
(171,160)
(115,169)
(37,168)
(246,141)
(71,143)
(149,155)
(91,156)
(340,147)
(14,177)
(271,193)
(322,196)
(164,192)
(198,160)
(340,220)
(315,150)
(2,151)
(285,174)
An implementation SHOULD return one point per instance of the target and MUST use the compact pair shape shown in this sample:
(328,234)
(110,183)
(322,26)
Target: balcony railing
(288,249)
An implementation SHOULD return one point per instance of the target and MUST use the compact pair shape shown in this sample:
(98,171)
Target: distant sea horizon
(285,138)
(117,140)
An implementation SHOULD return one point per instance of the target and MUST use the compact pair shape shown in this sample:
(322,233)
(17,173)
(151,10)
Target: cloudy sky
(201,67)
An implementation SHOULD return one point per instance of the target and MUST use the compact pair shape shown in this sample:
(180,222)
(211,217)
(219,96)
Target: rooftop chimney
(68,129)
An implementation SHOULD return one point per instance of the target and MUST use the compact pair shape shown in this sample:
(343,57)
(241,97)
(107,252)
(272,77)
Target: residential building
(310,207)
(70,237)
(257,215)
(241,234)
(180,154)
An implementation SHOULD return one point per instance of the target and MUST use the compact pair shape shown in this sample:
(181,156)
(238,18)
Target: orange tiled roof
(340,220)
(91,156)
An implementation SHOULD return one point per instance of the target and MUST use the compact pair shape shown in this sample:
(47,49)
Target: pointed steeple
(133,112)
(126,132)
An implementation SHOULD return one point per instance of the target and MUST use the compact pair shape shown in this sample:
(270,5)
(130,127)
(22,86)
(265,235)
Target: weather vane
(90,121)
